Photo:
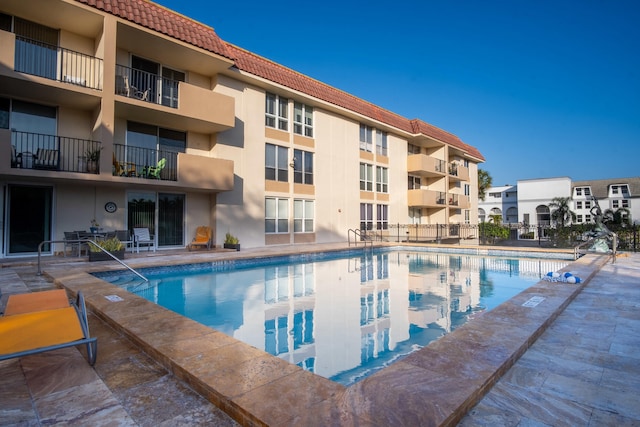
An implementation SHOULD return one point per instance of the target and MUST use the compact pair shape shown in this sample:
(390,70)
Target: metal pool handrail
(86,241)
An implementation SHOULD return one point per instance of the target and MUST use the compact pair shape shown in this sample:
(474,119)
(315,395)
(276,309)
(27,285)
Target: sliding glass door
(29,218)
(161,213)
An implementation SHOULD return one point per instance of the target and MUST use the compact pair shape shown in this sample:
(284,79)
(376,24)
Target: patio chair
(46,158)
(43,321)
(143,238)
(154,171)
(203,238)
(125,238)
(71,241)
(16,159)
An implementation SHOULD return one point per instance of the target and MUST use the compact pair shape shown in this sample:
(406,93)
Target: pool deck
(572,359)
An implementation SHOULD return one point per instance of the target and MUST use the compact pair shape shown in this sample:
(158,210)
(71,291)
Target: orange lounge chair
(203,237)
(43,321)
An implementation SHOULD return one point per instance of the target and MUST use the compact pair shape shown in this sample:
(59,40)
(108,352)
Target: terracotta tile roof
(165,21)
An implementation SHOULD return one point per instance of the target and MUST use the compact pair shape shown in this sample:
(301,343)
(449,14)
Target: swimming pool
(344,315)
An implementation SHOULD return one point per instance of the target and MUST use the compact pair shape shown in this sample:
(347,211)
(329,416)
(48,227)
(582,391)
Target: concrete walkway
(585,369)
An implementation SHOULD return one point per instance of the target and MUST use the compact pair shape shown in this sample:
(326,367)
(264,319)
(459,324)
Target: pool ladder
(93,242)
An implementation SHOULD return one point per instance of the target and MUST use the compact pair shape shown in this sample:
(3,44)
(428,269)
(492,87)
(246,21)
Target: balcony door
(160,81)
(29,218)
(161,213)
(36,49)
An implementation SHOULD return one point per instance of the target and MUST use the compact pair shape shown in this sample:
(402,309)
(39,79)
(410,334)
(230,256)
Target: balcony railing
(139,162)
(149,87)
(57,63)
(52,152)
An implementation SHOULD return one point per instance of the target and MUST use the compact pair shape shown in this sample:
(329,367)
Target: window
(382,216)
(4,113)
(276,112)
(587,204)
(303,213)
(615,204)
(148,144)
(366,138)
(579,218)
(467,190)
(495,195)
(583,191)
(587,218)
(414,182)
(302,167)
(415,215)
(381,143)
(276,215)
(302,119)
(467,216)
(578,205)
(625,204)
(382,179)
(413,149)
(618,189)
(34,126)
(366,177)
(366,216)
(276,163)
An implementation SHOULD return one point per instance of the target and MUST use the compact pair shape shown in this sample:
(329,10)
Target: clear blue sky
(543,88)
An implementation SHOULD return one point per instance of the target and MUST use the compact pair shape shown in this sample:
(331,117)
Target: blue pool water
(341,316)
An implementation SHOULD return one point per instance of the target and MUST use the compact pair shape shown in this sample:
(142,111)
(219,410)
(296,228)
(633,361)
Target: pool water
(349,317)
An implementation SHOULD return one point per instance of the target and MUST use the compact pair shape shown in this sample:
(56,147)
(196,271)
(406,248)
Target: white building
(528,201)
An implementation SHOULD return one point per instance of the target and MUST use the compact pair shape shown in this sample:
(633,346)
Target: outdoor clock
(110,207)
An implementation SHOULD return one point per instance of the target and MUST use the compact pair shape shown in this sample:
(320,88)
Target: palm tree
(621,216)
(495,218)
(561,213)
(484,183)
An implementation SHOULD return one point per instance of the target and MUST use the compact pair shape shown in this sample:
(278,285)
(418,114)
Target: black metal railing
(51,152)
(149,87)
(147,163)
(57,63)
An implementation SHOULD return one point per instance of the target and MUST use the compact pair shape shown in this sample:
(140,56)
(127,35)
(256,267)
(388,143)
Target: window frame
(382,217)
(366,179)
(382,179)
(302,167)
(279,165)
(276,112)
(382,147)
(280,219)
(366,138)
(303,219)
(302,119)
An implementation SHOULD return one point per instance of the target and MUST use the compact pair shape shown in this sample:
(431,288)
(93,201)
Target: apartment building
(128,115)
(528,201)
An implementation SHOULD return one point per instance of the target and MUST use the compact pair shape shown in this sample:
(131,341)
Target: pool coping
(436,385)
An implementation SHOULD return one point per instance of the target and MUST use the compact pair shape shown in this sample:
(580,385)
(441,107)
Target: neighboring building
(501,201)
(534,196)
(139,117)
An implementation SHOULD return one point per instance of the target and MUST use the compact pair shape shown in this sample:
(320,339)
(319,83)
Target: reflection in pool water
(346,318)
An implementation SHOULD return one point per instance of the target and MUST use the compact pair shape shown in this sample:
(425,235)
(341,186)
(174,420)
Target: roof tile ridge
(326,85)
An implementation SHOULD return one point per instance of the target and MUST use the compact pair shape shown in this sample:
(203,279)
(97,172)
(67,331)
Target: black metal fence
(51,152)
(57,63)
(502,234)
(145,163)
(149,87)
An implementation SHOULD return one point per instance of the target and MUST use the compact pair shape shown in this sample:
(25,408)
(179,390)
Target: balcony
(458,172)
(426,198)
(174,103)
(180,170)
(52,153)
(57,63)
(136,162)
(423,165)
(458,201)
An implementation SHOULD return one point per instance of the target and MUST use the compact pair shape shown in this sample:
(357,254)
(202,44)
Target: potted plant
(93,159)
(112,245)
(231,242)
(94,226)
